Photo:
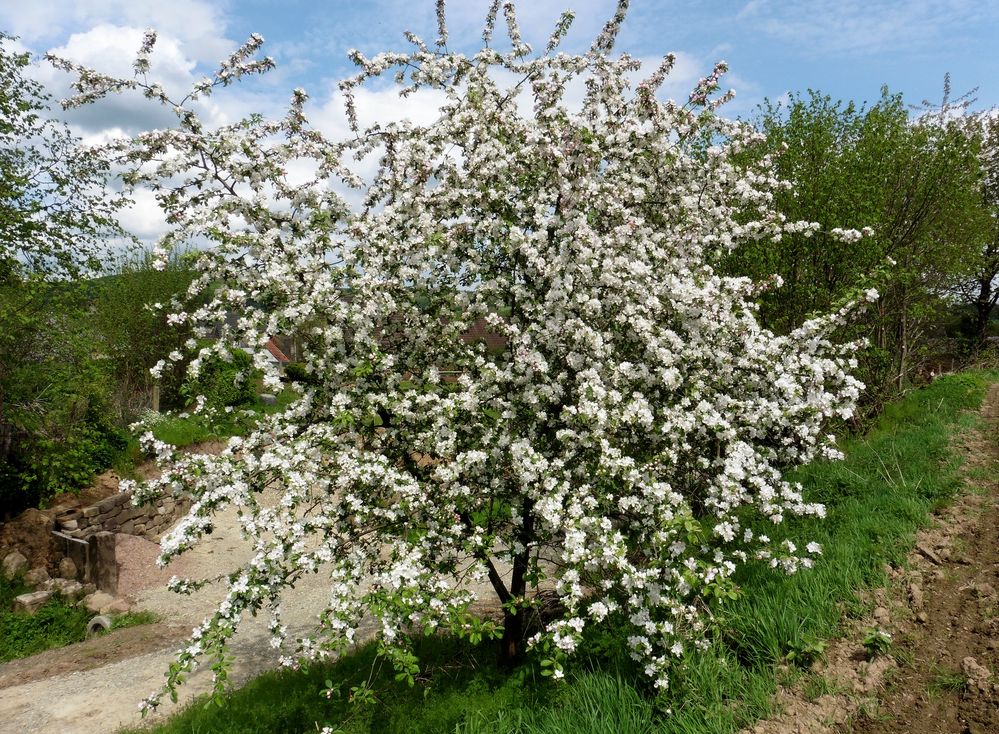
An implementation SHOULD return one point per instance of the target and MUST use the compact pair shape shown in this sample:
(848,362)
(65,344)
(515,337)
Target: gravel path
(104,699)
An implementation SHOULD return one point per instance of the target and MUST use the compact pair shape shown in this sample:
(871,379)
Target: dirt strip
(942,611)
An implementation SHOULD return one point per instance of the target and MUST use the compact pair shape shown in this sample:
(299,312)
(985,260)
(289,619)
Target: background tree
(55,213)
(979,288)
(55,216)
(131,306)
(913,182)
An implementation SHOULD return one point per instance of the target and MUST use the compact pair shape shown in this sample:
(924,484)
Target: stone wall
(116,514)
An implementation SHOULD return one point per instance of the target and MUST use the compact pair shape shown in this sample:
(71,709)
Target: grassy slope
(56,624)
(877,498)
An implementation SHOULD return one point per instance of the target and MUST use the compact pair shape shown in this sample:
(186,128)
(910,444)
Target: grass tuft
(134,619)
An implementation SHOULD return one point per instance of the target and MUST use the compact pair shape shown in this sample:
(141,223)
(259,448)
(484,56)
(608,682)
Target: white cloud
(143,217)
(198,24)
(111,49)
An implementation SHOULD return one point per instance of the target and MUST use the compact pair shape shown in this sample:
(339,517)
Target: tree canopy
(56,223)
(625,446)
(913,184)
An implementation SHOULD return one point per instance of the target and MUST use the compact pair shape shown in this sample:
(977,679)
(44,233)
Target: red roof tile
(276,352)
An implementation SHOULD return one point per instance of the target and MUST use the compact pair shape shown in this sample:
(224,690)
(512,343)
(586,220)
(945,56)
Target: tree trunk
(514,631)
(903,348)
(983,311)
(512,644)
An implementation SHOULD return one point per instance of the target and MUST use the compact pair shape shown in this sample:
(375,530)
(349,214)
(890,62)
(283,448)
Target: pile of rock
(15,564)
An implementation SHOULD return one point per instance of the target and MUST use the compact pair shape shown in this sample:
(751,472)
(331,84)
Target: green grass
(185,431)
(58,623)
(134,619)
(885,490)
(947,681)
(286,701)
(196,428)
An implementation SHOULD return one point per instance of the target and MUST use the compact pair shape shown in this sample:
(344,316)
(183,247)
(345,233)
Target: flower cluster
(618,435)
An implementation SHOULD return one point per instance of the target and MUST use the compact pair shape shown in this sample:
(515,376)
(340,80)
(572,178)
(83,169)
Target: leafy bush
(133,334)
(65,431)
(839,156)
(70,464)
(295,372)
(224,382)
(56,220)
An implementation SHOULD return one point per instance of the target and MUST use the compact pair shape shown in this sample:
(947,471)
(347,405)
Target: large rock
(36,577)
(977,675)
(67,569)
(118,606)
(97,601)
(14,564)
(67,587)
(31,603)
(36,519)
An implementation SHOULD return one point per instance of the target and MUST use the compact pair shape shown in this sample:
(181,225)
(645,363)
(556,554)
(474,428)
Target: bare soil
(108,648)
(947,682)
(30,533)
(942,610)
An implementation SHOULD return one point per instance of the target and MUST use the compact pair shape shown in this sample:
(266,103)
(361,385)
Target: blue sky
(845,48)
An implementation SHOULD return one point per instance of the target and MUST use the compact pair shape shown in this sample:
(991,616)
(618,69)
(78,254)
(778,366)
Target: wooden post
(156,398)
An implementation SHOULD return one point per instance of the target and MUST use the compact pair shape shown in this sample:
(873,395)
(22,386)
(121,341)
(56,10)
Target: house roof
(276,352)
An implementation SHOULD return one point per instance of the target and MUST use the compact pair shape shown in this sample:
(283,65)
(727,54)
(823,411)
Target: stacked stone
(116,514)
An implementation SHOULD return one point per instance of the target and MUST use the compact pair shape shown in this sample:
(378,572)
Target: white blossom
(520,345)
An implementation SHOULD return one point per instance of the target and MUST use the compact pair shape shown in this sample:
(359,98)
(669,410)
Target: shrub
(224,381)
(296,372)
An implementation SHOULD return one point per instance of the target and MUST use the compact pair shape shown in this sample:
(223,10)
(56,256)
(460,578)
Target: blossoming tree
(634,422)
